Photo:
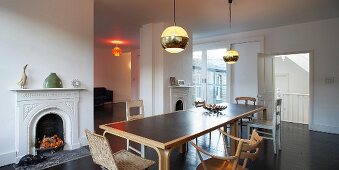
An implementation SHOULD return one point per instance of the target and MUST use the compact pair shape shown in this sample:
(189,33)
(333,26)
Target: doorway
(292,77)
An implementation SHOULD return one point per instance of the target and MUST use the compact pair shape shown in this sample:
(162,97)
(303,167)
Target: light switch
(329,80)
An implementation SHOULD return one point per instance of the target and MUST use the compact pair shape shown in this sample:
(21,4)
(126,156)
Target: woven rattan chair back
(100,150)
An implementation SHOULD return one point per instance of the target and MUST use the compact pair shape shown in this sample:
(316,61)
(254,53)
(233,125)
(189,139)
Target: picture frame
(181,82)
(173,81)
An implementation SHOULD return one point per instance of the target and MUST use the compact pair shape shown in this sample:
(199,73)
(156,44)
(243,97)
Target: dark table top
(171,129)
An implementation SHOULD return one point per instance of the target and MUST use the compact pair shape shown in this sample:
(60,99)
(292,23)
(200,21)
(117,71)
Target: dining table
(174,130)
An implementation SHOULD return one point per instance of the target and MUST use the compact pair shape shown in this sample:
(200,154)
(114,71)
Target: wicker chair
(246,149)
(102,155)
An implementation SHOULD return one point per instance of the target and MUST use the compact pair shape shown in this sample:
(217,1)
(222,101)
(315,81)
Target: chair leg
(127,147)
(274,136)
(196,140)
(240,128)
(248,131)
(210,136)
(279,137)
(142,149)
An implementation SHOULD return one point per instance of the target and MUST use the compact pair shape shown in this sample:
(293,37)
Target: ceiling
(121,19)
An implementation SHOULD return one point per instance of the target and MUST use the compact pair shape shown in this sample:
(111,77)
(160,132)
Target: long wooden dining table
(170,130)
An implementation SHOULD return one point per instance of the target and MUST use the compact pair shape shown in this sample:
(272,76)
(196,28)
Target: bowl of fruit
(214,108)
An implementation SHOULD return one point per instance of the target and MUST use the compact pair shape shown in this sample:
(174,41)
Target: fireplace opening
(49,133)
(179,105)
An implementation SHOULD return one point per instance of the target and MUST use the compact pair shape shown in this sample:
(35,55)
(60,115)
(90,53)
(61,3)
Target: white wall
(244,81)
(298,78)
(156,66)
(321,37)
(178,66)
(146,68)
(135,74)
(113,72)
(49,36)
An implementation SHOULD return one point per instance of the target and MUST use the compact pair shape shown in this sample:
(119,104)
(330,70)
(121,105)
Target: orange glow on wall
(117,42)
(116,51)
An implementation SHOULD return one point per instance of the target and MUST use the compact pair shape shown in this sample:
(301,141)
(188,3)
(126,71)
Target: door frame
(311,82)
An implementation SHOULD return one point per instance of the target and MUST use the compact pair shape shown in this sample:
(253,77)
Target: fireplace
(179,98)
(49,133)
(179,105)
(46,112)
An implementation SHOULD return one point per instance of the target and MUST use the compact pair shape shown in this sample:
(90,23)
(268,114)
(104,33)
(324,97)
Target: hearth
(179,105)
(49,134)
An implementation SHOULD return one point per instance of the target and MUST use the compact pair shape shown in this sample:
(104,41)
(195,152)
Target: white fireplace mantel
(179,93)
(33,104)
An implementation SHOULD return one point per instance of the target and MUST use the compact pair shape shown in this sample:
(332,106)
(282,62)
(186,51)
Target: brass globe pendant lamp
(174,39)
(232,55)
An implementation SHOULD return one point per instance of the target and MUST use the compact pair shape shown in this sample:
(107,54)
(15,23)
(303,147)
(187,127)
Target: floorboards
(301,149)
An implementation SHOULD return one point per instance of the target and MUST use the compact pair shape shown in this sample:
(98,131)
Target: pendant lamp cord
(174,12)
(230,10)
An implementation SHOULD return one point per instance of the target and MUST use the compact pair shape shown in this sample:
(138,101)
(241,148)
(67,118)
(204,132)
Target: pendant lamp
(232,55)
(116,51)
(174,39)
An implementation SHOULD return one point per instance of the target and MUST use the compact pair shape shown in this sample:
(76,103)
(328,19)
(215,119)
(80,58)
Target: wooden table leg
(233,132)
(164,158)
(182,148)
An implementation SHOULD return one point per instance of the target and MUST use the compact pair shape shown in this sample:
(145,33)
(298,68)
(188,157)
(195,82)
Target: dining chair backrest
(199,103)
(245,100)
(100,150)
(134,104)
(250,149)
(234,158)
(277,112)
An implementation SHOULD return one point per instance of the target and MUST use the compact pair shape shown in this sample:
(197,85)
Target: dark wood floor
(301,149)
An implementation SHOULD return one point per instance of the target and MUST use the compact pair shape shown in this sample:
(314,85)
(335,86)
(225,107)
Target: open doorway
(292,77)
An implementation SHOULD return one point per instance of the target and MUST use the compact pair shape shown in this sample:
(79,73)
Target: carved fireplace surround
(179,93)
(33,104)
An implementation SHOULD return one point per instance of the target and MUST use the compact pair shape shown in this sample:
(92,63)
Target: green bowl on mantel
(53,81)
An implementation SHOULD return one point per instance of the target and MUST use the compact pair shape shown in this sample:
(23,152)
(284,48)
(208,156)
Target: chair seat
(267,124)
(216,164)
(128,161)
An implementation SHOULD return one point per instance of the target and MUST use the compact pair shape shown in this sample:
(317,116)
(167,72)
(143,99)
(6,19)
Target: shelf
(180,86)
(49,89)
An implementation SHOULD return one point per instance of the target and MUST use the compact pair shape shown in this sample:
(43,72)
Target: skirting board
(7,158)
(325,128)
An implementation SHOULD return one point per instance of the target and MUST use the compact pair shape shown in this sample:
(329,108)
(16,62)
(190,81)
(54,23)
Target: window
(210,76)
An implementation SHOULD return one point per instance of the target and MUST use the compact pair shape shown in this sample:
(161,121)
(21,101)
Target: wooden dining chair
(246,101)
(201,104)
(102,155)
(269,129)
(246,149)
(139,105)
